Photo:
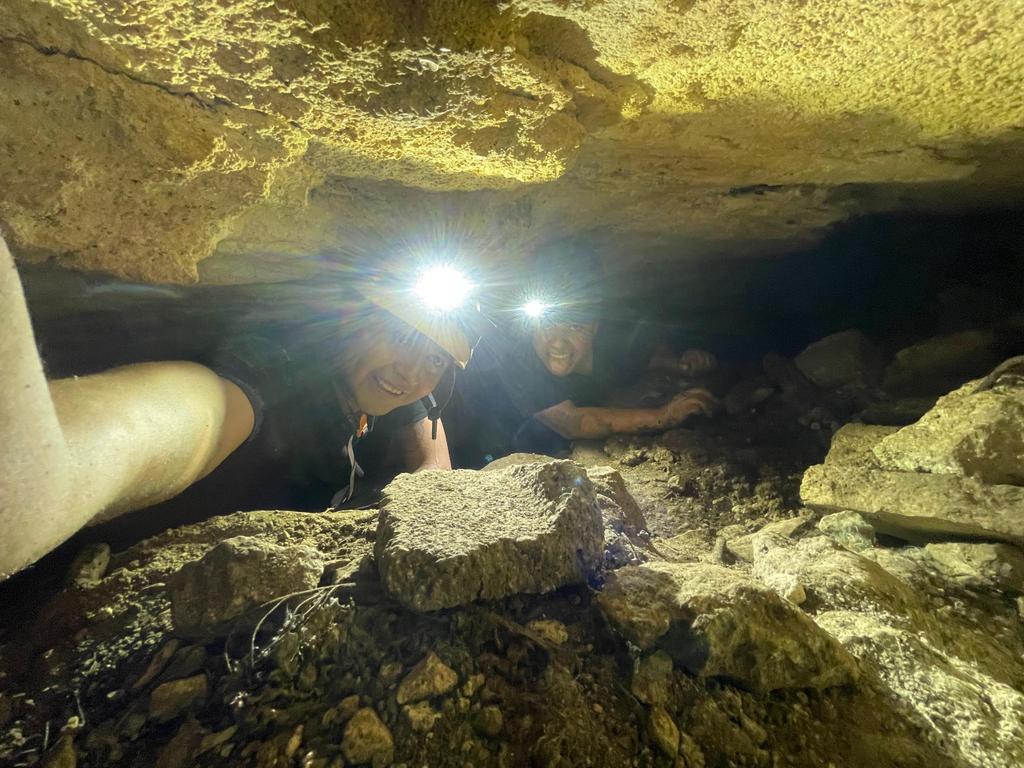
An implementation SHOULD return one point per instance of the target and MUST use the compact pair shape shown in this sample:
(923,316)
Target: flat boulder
(916,506)
(998,566)
(234,577)
(715,622)
(941,363)
(854,444)
(970,433)
(449,538)
(843,358)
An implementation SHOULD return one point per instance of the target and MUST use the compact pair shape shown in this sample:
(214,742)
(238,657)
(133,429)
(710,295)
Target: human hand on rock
(695,362)
(690,402)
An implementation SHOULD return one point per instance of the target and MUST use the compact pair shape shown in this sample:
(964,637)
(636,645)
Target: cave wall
(172,141)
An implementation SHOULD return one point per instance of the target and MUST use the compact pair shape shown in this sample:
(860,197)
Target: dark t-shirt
(296,456)
(506,385)
(301,434)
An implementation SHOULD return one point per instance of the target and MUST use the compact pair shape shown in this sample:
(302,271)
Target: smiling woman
(268,418)
(388,364)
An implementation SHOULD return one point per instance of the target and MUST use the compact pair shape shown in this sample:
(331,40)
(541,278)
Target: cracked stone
(367,740)
(715,622)
(234,577)
(430,678)
(449,538)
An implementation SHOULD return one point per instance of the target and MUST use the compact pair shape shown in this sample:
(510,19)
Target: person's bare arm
(81,449)
(575,423)
(417,451)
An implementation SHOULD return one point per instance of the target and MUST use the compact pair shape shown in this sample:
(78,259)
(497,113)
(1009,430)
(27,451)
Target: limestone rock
(715,622)
(176,696)
(489,721)
(853,444)
(941,363)
(551,630)
(234,577)
(664,731)
(833,577)
(515,460)
(618,507)
(431,677)
(990,565)
(652,679)
(848,529)
(918,506)
(90,565)
(449,538)
(847,357)
(960,693)
(743,546)
(367,740)
(968,433)
(896,413)
(421,716)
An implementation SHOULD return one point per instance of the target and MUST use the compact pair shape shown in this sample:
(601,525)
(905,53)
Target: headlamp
(534,309)
(442,288)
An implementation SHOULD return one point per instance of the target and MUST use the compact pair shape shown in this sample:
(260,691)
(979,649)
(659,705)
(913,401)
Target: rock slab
(917,506)
(715,622)
(843,358)
(967,433)
(449,538)
(234,577)
(941,363)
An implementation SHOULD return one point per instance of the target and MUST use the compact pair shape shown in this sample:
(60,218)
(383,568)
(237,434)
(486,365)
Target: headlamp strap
(433,413)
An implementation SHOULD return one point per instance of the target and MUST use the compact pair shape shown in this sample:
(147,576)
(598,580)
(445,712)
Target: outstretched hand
(690,402)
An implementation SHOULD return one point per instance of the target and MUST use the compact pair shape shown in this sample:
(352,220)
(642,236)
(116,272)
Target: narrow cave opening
(585,383)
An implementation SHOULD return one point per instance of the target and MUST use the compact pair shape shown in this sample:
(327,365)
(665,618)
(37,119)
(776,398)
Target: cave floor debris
(340,673)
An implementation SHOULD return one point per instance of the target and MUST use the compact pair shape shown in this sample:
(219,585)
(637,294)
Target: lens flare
(534,308)
(443,288)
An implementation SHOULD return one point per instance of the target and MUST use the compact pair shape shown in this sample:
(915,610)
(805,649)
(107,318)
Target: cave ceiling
(245,140)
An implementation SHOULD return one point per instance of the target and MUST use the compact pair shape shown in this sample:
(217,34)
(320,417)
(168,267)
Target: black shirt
(301,434)
(506,385)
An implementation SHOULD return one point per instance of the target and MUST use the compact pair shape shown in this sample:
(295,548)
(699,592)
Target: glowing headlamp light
(442,288)
(534,309)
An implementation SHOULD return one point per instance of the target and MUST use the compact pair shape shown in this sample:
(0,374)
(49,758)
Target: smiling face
(565,348)
(388,365)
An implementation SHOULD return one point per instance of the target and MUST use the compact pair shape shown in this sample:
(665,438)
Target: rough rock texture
(948,666)
(236,576)
(743,546)
(967,433)
(843,358)
(715,622)
(174,697)
(912,504)
(980,565)
(848,529)
(367,740)
(431,677)
(942,363)
(853,444)
(144,138)
(449,538)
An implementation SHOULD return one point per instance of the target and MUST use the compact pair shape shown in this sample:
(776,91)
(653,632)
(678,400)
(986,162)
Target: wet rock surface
(449,538)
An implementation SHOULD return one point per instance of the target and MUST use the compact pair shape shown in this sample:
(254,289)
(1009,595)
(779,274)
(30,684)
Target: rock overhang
(258,135)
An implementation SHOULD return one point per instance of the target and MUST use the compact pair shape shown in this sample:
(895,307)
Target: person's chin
(560,367)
